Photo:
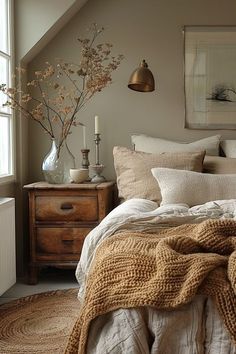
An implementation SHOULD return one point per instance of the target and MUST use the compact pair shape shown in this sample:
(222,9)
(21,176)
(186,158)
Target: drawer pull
(67,241)
(66,206)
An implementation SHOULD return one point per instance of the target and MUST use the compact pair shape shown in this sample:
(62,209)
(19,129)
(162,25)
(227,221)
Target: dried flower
(55,106)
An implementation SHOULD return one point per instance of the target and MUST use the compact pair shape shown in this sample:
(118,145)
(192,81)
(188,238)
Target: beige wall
(7,190)
(138,29)
(35,18)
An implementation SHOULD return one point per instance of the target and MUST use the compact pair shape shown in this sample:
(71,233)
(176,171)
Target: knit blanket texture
(164,270)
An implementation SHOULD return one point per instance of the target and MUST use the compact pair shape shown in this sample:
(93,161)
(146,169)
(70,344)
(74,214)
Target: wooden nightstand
(60,216)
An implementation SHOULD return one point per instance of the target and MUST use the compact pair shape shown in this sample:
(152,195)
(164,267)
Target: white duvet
(194,329)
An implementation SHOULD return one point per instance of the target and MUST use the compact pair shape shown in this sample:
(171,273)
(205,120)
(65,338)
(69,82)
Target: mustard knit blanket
(164,270)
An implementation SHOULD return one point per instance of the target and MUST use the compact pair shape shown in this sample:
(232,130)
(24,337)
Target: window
(6,115)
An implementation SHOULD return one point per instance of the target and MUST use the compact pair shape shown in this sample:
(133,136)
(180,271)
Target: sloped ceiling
(37,22)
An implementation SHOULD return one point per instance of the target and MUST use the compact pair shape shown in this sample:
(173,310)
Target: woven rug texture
(38,324)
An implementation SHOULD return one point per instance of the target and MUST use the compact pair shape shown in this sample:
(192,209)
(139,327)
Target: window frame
(11,115)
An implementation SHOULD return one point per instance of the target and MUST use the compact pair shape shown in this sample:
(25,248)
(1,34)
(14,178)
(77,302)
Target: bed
(161,278)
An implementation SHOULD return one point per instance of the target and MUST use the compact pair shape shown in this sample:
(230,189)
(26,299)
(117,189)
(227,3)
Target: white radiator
(7,244)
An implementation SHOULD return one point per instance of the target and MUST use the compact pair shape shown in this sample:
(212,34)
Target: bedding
(153,145)
(133,170)
(144,215)
(147,331)
(164,270)
(193,188)
(193,328)
(219,165)
(229,148)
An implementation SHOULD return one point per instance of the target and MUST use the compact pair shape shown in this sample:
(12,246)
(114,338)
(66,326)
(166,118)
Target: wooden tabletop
(85,185)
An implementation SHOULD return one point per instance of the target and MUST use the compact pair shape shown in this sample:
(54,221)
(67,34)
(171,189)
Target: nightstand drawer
(60,216)
(60,208)
(51,242)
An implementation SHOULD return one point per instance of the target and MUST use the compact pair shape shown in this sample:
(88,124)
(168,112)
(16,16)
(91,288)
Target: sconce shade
(142,79)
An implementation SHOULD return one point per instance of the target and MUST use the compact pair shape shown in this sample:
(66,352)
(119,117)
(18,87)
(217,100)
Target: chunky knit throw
(164,270)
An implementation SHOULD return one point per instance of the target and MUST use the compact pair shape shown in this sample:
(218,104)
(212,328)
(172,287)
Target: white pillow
(229,147)
(158,146)
(193,188)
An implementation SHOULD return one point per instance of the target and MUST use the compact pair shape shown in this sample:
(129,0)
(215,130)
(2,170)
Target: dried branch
(61,90)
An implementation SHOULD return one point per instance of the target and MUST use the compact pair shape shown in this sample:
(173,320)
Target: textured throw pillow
(193,188)
(133,170)
(219,165)
(157,146)
(229,148)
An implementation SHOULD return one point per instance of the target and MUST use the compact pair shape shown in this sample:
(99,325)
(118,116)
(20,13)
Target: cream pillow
(229,148)
(133,170)
(157,146)
(193,188)
(219,165)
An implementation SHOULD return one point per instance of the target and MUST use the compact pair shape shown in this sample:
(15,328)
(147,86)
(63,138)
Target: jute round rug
(38,324)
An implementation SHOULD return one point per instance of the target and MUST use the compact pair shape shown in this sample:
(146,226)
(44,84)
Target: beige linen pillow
(133,170)
(219,165)
(229,148)
(157,146)
(193,188)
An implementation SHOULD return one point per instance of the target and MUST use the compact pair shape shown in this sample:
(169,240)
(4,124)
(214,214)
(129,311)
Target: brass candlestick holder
(97,168)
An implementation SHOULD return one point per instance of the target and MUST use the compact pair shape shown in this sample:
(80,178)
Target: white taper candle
(84,137)
(97,128)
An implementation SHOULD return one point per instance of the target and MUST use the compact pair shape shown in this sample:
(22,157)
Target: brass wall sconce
(142,79)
